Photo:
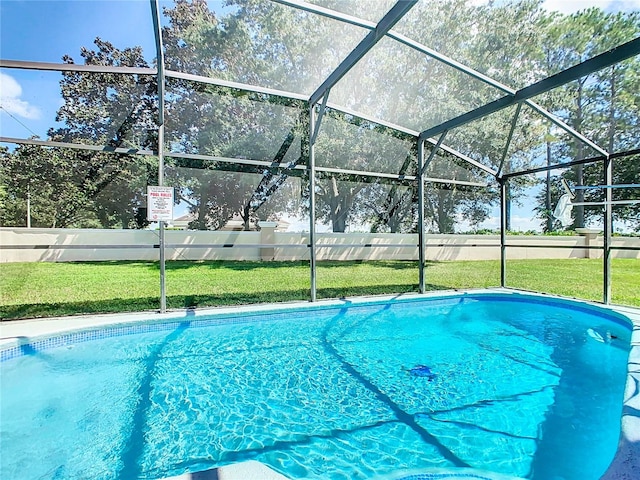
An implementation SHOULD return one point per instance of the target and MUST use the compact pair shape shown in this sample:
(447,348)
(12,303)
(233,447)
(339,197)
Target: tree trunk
(445,222)
(202,209)
(579,209)
(246,217)
(338,211)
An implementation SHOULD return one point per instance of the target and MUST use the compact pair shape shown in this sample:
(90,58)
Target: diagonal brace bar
(323,109)
(434,149)
(514,121)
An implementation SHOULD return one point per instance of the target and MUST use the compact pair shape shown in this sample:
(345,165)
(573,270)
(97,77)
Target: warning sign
(159,203)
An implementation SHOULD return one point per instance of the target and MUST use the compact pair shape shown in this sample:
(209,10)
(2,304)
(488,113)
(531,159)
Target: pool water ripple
(517,388)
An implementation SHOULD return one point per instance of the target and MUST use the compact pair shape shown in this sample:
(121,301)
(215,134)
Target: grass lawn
(29,290)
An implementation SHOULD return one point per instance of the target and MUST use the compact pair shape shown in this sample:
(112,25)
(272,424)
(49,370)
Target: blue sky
(46,30)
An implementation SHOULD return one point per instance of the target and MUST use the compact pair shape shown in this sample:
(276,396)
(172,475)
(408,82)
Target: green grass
(29,290)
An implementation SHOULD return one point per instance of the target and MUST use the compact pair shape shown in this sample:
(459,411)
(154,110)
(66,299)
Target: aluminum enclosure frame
(318,102)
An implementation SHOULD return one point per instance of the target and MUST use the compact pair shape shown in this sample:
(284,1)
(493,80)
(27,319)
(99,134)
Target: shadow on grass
(243,265)
(118,305)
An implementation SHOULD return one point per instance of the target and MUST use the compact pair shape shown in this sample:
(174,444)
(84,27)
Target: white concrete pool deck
(625,466)
(250,470)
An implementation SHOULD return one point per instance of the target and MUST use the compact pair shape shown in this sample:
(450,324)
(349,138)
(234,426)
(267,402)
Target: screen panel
(216,195)
(113,110)
(415,91)
(45,31)
(371,10)
(240,232)
(462,247)
(625,253)
(86,108)
(207,40)
(71,188)
(349,143)
(555,241)
(209,120)
(366,242)
(30,101)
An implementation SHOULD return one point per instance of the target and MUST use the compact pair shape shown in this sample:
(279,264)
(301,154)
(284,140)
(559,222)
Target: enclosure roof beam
(561,166)
(238,161)
(400,177)
(74,67)
(75,146)
(328,13)
(443,59)
(606,59)
(386,23)
(236,85)
(464,157)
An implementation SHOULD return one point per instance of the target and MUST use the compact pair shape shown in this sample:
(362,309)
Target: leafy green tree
(602,106)
(47,180)
(223,122)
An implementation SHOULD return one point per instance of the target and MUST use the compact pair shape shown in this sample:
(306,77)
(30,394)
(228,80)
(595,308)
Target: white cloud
(572,6)
(10,93)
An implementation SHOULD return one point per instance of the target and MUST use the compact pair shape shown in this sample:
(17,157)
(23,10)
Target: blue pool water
(515,385)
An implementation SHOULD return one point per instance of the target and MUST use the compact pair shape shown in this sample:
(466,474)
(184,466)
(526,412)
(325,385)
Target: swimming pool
(509,383)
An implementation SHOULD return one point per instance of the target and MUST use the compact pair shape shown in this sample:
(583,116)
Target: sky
(571,6)
(45,31)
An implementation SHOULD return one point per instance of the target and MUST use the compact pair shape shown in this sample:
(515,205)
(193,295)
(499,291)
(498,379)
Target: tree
(351,143)
(45,179)
(224,122)
(71,188)
(602,105)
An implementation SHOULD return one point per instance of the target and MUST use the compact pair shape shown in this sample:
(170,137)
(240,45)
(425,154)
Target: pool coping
(625,465)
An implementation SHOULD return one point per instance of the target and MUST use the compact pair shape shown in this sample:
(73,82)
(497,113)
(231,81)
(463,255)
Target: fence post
(267,237)
(589,235)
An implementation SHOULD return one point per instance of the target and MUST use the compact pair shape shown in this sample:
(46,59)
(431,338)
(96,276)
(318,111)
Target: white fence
(72,245)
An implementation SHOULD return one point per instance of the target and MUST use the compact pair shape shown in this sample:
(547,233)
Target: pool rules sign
(159,203)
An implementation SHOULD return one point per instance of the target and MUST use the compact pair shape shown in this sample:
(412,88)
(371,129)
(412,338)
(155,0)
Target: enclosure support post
(163,290)
(421,239)
(312,199)
(503,231)
(608,227)
(155,10)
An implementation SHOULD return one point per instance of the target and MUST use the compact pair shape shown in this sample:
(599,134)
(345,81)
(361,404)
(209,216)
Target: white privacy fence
(72,245)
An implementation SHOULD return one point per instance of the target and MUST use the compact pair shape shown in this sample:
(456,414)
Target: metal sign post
(160,209)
